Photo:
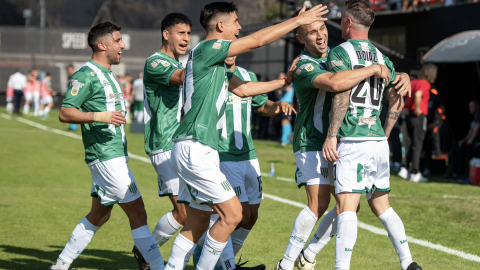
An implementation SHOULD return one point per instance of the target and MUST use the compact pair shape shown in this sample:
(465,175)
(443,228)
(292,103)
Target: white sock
(9,107)
(227,258)
(26,108)
(302,227)
(79,240)
(210,253)
(46,110)
(166,227)
(181,251)
(148,248)
(238,239)
(326,230)
(396,231)
(346,237)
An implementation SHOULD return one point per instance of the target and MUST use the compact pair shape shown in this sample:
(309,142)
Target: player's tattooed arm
(341,101)
(395,106)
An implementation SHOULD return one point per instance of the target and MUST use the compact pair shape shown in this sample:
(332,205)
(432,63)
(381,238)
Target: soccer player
(313,85)
(95,100)
(16,83)
(162,79)
(363,152)
(138,98)
(46,99)
(195,152)
(32,92)
(238,160)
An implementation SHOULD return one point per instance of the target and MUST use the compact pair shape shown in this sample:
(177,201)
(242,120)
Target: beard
(113,59)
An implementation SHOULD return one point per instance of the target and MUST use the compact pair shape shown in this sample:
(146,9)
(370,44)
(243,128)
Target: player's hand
(382,72)
(118,118)
(289,77)
(402,84)
(284,107)
(329,150)
(312,15)
(417,112)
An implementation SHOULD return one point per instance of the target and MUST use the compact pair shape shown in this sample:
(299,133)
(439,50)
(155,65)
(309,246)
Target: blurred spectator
(127,89)
(416,121)
(32,93)
(46,93)
(70,71)
(334,11)
(395,4)
(286,94)
(17,83)
(137,98)
(468,146)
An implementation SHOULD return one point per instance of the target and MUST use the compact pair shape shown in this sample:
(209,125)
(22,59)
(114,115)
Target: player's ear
(220,25)
(101,45)
(165,34)
(299,37)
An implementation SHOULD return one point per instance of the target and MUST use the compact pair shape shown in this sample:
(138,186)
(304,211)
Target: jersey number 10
(375,87)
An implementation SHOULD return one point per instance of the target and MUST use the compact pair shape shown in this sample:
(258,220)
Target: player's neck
(314,53)
(166,50)
(101,59)
(356,34)
(231,68)
(215,35)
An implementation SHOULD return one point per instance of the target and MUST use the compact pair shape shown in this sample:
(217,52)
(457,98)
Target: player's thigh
(198,167)
(28,96)
(167,177)
(354,167)
(113,182)
(235,171)
(46,100)
(313,169)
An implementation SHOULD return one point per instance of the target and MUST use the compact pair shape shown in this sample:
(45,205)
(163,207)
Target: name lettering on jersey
(236,99)
(335,63)
(370,121)
(117,96)
(367,56)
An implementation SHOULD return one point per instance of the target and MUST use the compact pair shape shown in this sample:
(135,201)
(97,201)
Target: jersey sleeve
(306,72)
(159,70)
(391,69)
(215,51)
(80,89)
(338,60)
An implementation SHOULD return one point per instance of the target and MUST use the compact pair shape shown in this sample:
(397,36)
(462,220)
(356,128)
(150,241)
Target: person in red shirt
(416,120)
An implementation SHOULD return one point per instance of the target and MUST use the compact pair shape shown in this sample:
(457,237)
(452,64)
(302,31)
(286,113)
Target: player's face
(230,61)
(232,27)
(315,38)
(178,38)
(114,47)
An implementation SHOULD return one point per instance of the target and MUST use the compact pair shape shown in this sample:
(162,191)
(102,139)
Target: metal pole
(42,24)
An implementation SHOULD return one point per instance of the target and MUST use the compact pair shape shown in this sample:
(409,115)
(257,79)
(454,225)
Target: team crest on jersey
(309,67)
(361,173)
(74,91)
(370,121)
(92,73)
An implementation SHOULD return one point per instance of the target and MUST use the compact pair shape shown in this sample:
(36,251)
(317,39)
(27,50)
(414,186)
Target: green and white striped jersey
(205,93)
(313,118)
(362,121)
(236,142)
(93,88)
(162,103)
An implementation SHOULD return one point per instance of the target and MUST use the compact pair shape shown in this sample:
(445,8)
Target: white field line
(6,116)
(379,231)
(278,177)
(362,225)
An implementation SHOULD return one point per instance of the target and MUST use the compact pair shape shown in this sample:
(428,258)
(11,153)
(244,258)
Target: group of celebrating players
(197,135)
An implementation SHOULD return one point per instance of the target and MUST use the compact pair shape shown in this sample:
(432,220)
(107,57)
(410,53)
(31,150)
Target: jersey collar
(102,68)
(168,56)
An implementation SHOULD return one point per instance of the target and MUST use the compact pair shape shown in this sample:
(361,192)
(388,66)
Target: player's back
(205,92)
(362,120)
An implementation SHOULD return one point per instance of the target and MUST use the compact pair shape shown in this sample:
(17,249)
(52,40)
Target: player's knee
(246,215)
(233,218)
(180,216)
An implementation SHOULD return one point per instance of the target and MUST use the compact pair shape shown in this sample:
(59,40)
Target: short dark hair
(213,9)
(99,31)
(173,19)
(428,73)
(361,11)
(295,14)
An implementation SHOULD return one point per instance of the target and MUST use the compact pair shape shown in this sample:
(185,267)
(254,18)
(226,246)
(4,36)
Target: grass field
(45,188)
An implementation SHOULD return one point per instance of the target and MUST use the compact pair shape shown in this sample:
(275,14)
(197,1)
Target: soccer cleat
(277,266)
(403,173)
(418,177)
(60,265)
(414,266)
(142,264)
(303,264)
(240,266)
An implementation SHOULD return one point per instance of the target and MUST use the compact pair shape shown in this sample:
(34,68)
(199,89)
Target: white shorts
(363,167)
(28,96)
(166,175)
(245,178)
(46,100)
(201,181)
(313,169)
(113,182)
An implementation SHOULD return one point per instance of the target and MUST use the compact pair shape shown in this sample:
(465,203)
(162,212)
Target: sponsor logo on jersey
(215,252)
(309,67)
(299,239)
(364,47)
(370,121)
(201,126)
(234,99)
(154,64)
(117,96)
(105,83)
(361,173)
(335,63)
(76,84)
(298,71)
(324,172)
(165,63)
(403,241)
(348,249)
(303,66)
(217,44)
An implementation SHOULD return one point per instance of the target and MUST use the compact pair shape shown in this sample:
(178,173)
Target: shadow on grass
(90,259)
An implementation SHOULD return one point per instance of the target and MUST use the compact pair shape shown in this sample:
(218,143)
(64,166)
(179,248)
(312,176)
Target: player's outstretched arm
(75,116)
(274,32)
(340,105)
(402,84)
(346,79)
(177,77)
(271,108)
(395,106)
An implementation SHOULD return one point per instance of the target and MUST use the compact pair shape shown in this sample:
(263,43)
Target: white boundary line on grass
(362,225)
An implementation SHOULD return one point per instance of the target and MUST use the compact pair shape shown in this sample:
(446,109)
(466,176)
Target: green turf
(45,187)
